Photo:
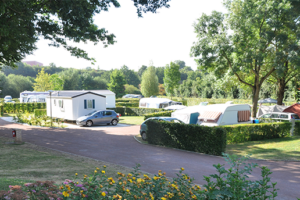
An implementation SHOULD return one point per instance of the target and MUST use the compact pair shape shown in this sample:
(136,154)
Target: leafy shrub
(209,140)
(128,104)
(1,110)
(42,120)
(158,114)
(297,128)
(40,112)
(254,132)
(229,184)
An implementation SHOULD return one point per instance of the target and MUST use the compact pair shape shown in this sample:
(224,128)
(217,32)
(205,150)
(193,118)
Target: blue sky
(161,38)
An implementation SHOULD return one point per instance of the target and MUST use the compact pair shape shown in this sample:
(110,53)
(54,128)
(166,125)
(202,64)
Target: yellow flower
(66,194)
(61,187)
(127,190)
(205,190)
(133,178)
(163,198)
(81,191)
(120,183)
(194,197)
(104,166)
(129,174)
(139,180)
(83,195)
(182,168)
(159,174)
(95,171)
(103,194)
(97,168)
(76,174)
(103,172)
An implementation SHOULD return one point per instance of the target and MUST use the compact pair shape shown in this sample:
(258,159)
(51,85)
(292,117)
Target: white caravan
(224,114)
(157,103)
(26,94)
(36,99)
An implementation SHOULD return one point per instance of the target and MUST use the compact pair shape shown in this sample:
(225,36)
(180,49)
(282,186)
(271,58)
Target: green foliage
(203,139)
(172,78)
(1,110)
(158,114)
(42,82)
(130,89)
(117,83)
(127,104)
(233,183)
(298,96)
(22,107)
(40,112)
(254,132)
(297,128)
(149,85)
(131,77)
(56,83)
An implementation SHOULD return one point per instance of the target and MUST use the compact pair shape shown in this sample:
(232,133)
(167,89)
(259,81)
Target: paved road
(117,145)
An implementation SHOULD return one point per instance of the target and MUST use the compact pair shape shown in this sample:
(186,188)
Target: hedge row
(135,111)
(203,139)
(40,112)
(1,110)
(22,107)
(254,132)
(158,114)
(297,128)
(127,104)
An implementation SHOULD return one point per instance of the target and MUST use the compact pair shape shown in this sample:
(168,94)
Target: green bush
(40,112)
(158,114)
(254,132)
(22,107)
(127,104)
(297,128)
(203,139)
(1,110)
(233,183)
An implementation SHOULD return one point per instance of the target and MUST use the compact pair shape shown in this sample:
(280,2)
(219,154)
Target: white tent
(188,115)
(267,109)
(267,100)
(175,107)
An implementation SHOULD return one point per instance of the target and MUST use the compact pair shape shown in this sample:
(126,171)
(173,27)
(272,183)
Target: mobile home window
(54,102)
(61,103)
(89,103)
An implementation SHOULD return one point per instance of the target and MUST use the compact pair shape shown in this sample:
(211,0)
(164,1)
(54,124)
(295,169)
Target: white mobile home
(224,114)
(157,103)
(188,115)
(110,96)
(71,105)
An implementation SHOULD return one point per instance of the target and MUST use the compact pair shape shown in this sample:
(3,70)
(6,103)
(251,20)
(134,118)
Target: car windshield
(90,114)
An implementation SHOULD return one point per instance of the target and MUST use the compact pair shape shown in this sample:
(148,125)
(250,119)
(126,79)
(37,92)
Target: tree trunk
(280,93)
(255,97)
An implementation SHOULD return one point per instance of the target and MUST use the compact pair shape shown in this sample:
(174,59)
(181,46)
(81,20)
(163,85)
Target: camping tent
(267,100)
(295,108)
(267,109)
(188,115)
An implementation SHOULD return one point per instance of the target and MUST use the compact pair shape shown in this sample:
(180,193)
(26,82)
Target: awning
(211,115)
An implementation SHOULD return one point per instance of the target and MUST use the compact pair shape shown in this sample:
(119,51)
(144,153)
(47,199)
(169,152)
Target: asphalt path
(117,145)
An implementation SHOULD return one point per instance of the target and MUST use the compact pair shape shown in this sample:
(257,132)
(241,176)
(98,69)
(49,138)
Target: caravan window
(61,103)
(143,104)
(295,117)
(243,115)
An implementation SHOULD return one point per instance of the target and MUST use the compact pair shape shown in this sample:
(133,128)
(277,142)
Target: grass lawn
(135,120)
(277,149)
(27,163)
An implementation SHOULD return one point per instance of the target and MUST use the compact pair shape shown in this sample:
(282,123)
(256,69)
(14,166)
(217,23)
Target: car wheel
(114,122)
(144,136)
(89,123)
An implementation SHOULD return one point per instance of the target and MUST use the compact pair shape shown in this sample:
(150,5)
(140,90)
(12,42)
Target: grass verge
(29,163)
(135,120)
(287,148)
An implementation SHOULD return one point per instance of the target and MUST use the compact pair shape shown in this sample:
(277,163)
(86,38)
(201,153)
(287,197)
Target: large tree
(243,40)
(22,23)
(149,85)
(130,76)
(172,78)
(117,83)
(42,82)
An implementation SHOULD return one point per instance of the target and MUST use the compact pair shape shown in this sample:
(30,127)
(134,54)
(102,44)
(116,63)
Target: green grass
(20,164)
(287,148)
(135,120)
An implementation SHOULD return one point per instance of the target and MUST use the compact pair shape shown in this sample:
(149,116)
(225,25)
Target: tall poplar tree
(42,82)
(172,78)
(149,85)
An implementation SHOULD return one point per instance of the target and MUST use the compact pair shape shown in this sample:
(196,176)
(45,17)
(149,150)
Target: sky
(156,38)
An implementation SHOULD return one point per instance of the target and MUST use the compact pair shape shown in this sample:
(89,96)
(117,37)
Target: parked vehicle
(280,116)
(9,101)
(138,96)
(7,97)
(157,103)
(224,114)
(98,117)
(143,127)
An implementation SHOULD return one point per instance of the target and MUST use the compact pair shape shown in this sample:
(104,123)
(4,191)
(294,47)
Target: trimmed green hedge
(297,128)
(40,112)
(1,110)
(254,132)
(22,107)
(203,139)
(127,104)
(158,114)
(135,111)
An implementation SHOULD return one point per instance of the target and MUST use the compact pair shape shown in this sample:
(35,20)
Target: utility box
(17,134)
